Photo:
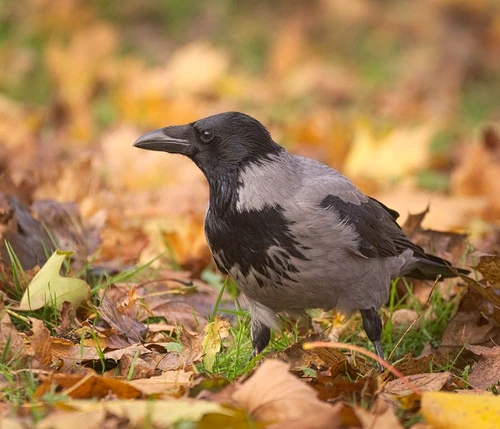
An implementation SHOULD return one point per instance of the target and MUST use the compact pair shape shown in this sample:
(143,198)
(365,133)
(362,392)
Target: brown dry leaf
(67,228)
(87,386)
(486,372)
(172,383)
(409,365)
(26,235)
(180,313)
(94,419)
(132,367)
(192,351)
(215,333)
(489,267)
(298,358)
(469,326)
(448,245)
(402,318)
(425,382)
(132,350)
(272,394)
(126,327)
(9,336)
(446,213)
(380,416)
(40,342)
(478,171)
(333,388)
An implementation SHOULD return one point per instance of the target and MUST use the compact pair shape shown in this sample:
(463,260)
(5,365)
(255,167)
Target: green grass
(429,329)
(234,359)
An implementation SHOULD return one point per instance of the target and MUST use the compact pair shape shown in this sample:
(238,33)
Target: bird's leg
(372,324)
(261,335)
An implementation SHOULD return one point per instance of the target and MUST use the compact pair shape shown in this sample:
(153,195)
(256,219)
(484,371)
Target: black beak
(170,139)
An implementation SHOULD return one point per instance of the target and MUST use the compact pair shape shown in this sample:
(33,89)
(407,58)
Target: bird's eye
(207,135)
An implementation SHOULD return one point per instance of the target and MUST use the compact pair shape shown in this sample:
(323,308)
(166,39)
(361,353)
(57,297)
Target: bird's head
(226,141)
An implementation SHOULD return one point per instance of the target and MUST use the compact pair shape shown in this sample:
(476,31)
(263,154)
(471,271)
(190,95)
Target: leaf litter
(122,333)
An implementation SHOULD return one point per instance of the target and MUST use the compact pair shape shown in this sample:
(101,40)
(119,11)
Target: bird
(293,233)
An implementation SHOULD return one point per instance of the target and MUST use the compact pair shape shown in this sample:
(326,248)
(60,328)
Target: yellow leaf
(396,155)
(185,68)
(445,410)
(49,288)
(215,331)
(159,414)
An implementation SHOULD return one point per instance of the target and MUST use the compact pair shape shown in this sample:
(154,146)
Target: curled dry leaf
(118,317)
(425,382)
(25,234)
(172,383)
(298,358)
(410,365)
(132,367)
(40,343)
(469,326)
(486,372)
(273,394)
(87,386)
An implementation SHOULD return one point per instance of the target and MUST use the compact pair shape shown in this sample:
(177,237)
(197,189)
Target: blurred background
(402,97)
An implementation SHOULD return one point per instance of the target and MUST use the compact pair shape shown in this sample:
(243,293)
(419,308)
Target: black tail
(430,266)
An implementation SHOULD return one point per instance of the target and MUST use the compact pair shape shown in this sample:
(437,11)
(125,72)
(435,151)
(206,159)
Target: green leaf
(48,288)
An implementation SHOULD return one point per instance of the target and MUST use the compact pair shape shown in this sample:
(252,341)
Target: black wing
(379,233)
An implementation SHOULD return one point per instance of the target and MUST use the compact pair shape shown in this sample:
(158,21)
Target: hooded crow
(293,233)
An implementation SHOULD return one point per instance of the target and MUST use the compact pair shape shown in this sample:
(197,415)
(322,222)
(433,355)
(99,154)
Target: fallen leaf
(371,158)
(94,419)
(40,342)
(132,367)
(444,410)
(26,236)
(215,333)
(334,388)
(119,318)
(469,326)
(409,365)
(86,386)
(272,394)
(49,288)
(489,267)
(486,372)
(184,68)
(172,383)
(425,382)
(298,358)
(160,413)
(11,342)
(380,416)
(478,170)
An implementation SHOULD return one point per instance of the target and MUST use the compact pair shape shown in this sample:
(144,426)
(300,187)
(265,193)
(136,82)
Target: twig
(351,347)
